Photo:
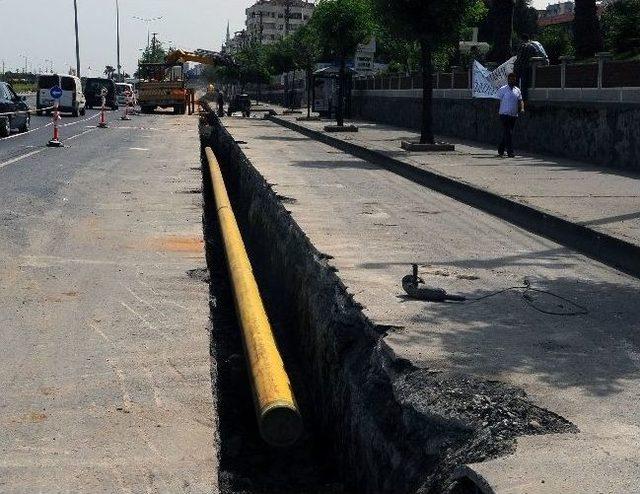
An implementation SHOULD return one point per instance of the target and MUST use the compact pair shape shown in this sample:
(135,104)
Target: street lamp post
(75,8)
(118,36)
(148,21)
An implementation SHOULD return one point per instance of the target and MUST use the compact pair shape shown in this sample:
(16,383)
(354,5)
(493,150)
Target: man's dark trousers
(508,123)
(525,81)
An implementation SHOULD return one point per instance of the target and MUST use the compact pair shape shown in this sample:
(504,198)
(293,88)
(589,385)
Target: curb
(612,251)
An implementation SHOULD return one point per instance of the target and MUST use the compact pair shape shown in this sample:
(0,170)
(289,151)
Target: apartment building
(270,20)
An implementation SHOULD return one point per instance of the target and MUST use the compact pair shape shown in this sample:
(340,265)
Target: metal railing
(605,73)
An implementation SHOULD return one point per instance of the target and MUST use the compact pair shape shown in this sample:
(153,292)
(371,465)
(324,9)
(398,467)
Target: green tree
(342,25)
(403,55)
(280,55)
(500,20)
(557,41)
(280,59)
(525,18)
(586,29)
(306,54)
(400,55)
(153,54)
(432,24)
(621,26)
(222,74)
(253,65)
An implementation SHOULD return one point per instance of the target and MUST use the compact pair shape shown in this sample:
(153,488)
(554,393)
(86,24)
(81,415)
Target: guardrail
(278,416)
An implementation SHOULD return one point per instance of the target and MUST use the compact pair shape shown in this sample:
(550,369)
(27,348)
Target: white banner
(487,83)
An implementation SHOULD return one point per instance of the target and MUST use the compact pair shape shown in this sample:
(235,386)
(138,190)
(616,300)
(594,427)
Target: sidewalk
(602,199)
(372,224)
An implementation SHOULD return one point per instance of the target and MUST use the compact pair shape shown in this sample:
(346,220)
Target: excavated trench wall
(390,426)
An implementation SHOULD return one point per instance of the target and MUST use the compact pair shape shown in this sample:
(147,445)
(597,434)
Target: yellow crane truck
(164,84)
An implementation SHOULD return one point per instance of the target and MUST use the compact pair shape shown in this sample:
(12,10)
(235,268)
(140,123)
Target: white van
(72,100)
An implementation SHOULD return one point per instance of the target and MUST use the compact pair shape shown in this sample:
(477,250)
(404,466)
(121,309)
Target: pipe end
(280,425)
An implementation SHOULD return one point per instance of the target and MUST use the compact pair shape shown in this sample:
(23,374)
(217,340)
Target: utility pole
(260,37)
(118,37)
(75,8)
(287,17)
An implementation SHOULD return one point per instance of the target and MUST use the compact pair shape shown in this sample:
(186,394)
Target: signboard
(55,92)
(364,59)
(486,83)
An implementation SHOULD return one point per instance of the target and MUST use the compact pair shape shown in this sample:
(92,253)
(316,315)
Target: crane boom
(200,56)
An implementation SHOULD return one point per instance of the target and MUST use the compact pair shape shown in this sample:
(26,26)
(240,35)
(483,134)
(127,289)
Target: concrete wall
(606,134)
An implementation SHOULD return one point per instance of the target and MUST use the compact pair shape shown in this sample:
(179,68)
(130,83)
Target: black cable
(411,285)
(528,288)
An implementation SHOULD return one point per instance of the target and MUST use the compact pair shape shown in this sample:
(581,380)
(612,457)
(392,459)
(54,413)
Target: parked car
(122,88)
(10,102)
(72,99)
(93,91)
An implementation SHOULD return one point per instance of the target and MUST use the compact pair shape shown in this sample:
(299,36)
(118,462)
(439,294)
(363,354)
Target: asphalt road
(105,383)
(18,145)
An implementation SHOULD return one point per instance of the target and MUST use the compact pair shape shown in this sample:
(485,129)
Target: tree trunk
(285,101)
(588,40)
(339,108)
(503,31)
(426,135)
(309,76)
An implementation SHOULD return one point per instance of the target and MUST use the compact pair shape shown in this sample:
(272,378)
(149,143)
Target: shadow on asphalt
(596,352)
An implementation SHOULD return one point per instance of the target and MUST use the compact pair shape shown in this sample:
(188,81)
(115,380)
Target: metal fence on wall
(605,73)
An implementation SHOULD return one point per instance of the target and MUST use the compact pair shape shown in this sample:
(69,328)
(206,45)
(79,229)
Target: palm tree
(109,71)
(586,29)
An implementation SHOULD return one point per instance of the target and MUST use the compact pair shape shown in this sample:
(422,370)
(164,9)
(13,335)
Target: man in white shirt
(511,104)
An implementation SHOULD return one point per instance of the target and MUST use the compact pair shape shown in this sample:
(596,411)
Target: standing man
(528,49)
(511,104)
(220,99)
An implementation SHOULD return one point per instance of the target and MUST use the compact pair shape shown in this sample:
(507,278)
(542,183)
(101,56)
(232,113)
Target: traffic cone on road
(103,116)
(55,142)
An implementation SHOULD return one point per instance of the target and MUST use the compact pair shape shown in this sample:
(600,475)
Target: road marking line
(15,136)
(14,160)
(97,330)
(32,153)
(80,121)
(28,132)
(78,135)
(139,149)
(143,301)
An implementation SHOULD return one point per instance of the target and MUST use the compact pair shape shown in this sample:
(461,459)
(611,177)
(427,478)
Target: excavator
(164,85)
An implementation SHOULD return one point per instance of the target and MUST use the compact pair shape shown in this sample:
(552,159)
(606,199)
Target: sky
(42,30)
